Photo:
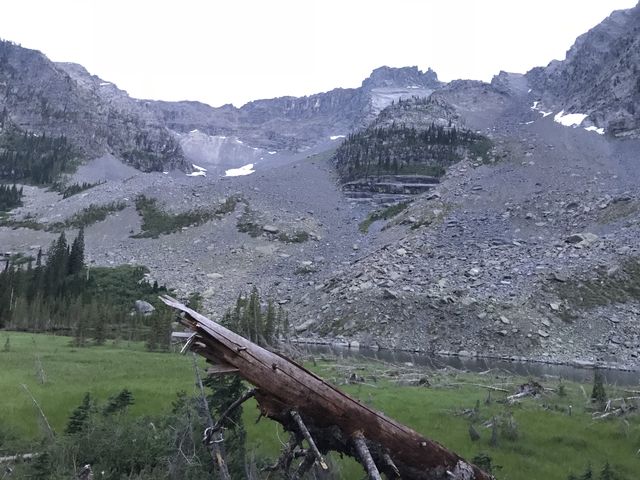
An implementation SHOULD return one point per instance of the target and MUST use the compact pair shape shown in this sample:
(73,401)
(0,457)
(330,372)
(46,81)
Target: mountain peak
(387,77)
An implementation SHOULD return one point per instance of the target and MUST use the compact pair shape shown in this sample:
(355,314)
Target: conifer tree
(598,394)
(270,323)
(118,403)
(80,415)
(607,472)
(225,390)
(76,256)
(99,330)
(588,474)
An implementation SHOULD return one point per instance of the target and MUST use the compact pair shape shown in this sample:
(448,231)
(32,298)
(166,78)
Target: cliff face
(600,75)
(39,96)
(293,123)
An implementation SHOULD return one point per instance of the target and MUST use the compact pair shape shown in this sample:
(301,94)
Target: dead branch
(479,385)
(386,458)
(307,436)
(304,466)
(330,415)
(365,456)
(239,401)
(212,439)
(42,415)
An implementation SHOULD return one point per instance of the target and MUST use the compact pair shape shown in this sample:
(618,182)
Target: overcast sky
(234,51)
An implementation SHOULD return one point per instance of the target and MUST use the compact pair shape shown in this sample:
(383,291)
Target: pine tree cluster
(399,149)
(263,325)
(10,197)
(56,292)
(38,159)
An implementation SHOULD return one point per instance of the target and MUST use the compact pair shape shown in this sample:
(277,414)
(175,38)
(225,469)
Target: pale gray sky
(234,51)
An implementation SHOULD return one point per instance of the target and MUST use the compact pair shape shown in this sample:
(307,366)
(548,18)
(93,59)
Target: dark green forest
(36,159)
(400,150)
(56,292)
(10,197)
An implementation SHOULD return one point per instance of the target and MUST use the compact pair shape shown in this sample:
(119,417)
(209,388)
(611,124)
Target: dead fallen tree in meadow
(313,410)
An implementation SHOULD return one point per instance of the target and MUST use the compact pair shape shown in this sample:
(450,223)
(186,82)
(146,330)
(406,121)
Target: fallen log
(287,392)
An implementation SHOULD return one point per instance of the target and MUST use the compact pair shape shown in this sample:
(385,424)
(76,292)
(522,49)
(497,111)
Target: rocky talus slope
(534,255)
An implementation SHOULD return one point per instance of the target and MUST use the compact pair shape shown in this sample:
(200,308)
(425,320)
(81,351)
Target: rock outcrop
(600,75)
(39,96)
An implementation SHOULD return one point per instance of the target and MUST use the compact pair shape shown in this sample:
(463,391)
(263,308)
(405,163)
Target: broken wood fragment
(388,461)
(220,369)
(211,439)
(307,436)
(305,466)
(365,456)
(239,401)
(330,415)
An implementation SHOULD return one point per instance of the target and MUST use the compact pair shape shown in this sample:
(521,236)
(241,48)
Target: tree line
(57,292)
(31,158)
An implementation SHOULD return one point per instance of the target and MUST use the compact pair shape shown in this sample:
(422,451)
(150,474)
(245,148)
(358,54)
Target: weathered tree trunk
(333,418)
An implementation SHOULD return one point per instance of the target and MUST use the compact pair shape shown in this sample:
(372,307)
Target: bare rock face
(294,123)
(39,96)
(600,75)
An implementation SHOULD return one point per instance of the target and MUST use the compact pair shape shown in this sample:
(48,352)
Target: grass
(616,211)
(297,236)
(89,215)
(248,224)
(481,148)
(154,378)
(75,188)
(550,443)
(156,222)
(599,287)
(27,222)
(384,214)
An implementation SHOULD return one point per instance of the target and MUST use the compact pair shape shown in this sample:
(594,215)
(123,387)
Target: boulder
(271,229)
(144,308)
(581,238)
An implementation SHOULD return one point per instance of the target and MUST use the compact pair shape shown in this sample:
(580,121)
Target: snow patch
(593,128)
(104,84)
(529,91)
(272,153)
(239,141)
(195,130)
(528,123)
(200,169)
(198,173)
(536,107)
(570,119)
(336,137)
(166,173)
(238,172)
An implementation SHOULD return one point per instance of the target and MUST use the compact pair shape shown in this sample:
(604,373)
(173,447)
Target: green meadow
(537,438)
